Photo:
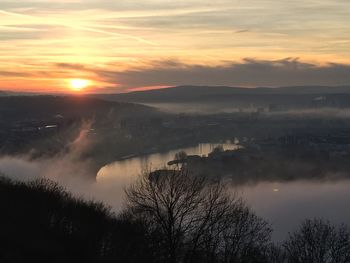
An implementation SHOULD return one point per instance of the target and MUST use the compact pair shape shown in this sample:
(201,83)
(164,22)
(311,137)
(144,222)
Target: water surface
(283,204)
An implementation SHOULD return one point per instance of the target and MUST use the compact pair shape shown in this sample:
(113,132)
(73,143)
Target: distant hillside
(38,107)
(47,125)
(207,93)
(13,93)
(216,99)
(5,93)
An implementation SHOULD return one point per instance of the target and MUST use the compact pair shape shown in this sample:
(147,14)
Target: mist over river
(283,204)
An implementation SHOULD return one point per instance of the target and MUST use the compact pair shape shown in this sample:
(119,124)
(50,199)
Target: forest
(168,216)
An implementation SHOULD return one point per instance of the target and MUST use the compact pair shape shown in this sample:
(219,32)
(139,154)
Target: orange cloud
(98,38)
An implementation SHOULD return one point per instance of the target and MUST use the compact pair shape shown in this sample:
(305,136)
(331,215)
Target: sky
(125,45)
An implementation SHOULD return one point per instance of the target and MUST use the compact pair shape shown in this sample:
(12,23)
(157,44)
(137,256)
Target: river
(283,204)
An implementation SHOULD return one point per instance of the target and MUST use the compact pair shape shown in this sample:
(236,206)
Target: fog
(69,169)
(286,205)
(77,174)
(283,201)
(196,108)
(283,204)
(222,107)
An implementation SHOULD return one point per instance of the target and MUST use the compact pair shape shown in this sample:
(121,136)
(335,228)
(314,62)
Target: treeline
(169,216)
(41,222)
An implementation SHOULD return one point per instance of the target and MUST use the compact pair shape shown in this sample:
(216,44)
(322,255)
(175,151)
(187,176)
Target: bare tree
(197,221)
(275,254)
(317,241)
(245,237)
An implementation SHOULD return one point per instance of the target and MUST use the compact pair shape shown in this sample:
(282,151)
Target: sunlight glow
(139,45)
(79,84)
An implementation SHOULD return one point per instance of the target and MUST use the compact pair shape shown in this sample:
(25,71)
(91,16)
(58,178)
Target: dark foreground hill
(41,222)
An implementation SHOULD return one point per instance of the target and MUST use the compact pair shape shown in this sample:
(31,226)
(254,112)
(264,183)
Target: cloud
(197,32)
(71,66)
(18,35)
(249,73)
(12,74)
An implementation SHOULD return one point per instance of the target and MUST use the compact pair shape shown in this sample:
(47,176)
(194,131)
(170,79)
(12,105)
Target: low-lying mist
(273,198)
(218,108)
(69,168)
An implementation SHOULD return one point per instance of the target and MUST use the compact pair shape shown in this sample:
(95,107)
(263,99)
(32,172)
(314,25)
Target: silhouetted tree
(274,254)
(41,222)
(195,220)
(317,241)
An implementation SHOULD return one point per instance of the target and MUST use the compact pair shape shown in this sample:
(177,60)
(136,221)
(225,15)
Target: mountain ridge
(180,93)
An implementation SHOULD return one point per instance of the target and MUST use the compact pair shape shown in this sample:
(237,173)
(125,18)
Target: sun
(79,84)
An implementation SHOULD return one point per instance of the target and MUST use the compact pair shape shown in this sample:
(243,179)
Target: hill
(200,93)
(216,99)
(47,125)
(20,108)
(41,222)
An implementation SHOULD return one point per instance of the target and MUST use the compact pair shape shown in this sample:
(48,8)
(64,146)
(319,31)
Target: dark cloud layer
(249,72)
